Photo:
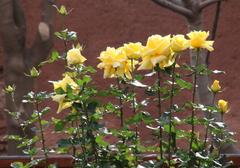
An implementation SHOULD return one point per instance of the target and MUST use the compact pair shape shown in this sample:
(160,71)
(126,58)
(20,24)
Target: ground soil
(102,23)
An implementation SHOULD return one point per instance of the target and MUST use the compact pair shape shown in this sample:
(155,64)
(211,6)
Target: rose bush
(85,133)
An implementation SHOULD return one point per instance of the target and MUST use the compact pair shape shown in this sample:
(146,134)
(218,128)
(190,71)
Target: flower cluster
(159,51)
(222,104)
(74,58)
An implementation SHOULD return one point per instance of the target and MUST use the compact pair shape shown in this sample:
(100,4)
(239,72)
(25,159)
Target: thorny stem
(159,114)
(133,92)
(63,27)
(42,134)
(207,128)
(120,103)
(170,115)
(73,147)
(133,101)
(208,117)
(193,100)
(90,134)
(84,150)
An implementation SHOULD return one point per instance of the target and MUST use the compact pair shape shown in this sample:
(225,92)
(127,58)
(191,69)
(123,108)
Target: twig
(207,3)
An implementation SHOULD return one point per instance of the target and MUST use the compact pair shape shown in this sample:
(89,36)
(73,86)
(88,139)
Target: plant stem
(73,146)
(133,92)
(221,116)
(90,134)
(159,114)
(120,103)
(84,150)
(134,105)
(208,117)
(42,135)
(170,115)
(193,100)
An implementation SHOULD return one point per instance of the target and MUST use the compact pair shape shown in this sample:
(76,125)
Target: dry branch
(180,9)
(207,3)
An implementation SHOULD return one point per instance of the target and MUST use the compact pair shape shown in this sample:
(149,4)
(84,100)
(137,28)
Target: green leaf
(150,74)
(17,165)
(10,89)
(33,73)
(54,57)
(138,77)
(62,10)
(203,70)
(52,166)
(101,142)
(30,152)
(66,35)
(44,123)
(218,72)
(59,124)
(14,137)
(184,84)
(138,84)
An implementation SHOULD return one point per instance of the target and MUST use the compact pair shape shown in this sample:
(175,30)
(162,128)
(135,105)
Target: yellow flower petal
(198,39)
(67,80)
(62,105)
(215,86)
(133,50)
(179,43)
(157,51)
(223,106)
(74,57)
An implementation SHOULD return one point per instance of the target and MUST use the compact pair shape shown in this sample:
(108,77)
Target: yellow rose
(114,62)
(198,39)
(179,43)
(74,57)
(127,69)
(157,51)
(223,106)
(67,80)
(133,50)
(215,86)
(62,105)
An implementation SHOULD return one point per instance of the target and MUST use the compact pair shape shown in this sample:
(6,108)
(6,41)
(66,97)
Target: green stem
(42,135)
(120,103)
(193,100)
(83,145)
(73,146)
(222,116)
(159,115)
(90,134)
(134,97)
(170,115)
(208,118)
(134,105)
